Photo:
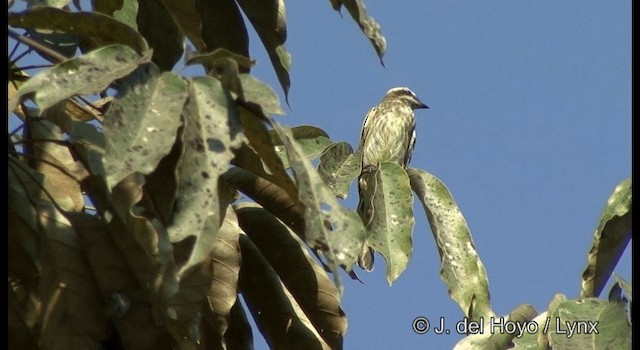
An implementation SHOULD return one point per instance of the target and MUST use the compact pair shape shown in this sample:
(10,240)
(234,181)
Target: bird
(388,135)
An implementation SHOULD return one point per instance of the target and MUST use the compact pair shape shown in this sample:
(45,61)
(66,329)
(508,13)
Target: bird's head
(405,95)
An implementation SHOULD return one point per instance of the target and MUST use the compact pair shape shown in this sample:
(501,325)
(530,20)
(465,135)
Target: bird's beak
(422,105)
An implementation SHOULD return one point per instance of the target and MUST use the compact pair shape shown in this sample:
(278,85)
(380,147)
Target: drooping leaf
(367,24)
(269,20)
(388,216)
(239,334)
(25,261)
(330,228)
(461,267)
(143,239)
(609,241)
(275,311)
(304,277)
(183,311)
(270,196)
(161,32)
(55,161)
(212,131)
(129,311)
(94,28)
(187,18)
(66,283)
(223,290)
(87,74)
(338,167)
(222,26)
(140,127)
(260,158)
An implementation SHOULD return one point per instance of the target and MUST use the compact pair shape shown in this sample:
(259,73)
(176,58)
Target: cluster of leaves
(123,177)
(125,224)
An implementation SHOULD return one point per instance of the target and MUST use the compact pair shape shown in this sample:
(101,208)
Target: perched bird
(388,135)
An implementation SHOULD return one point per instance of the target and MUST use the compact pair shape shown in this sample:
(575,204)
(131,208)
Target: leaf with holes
(338,167)
(87,74)
(141,124)
(390,222)
(212,131)
(461,267)
(335,230)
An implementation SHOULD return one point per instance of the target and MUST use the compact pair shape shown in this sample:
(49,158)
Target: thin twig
(13,50)
(38,46)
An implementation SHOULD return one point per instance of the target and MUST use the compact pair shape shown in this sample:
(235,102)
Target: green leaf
(187,18)
(269,20)
(222,26)
(367,24)
(67,282)
(498,333)
(87,74)
(260,157)
(63,43)
(226,261)
(386,209)
(609,241)
(260,94)
(301,274)
(163,35)
(211,58)
(131,316)
(127,13)
(141,124)
(143,239)
(614,327)
(462,270)
(275,311)
(312,141)
(270,196)
(612,330)
(338,167)
(212,131)
(56,162)
(90,144)
(95,28)
(336,231)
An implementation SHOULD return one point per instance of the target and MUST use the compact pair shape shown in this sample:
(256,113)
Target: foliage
(125,224)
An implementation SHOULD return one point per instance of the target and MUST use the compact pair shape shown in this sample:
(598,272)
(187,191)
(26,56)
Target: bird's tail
(366,190)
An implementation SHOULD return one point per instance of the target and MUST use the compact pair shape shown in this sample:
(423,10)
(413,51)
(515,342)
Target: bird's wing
(365,130)
(410,146)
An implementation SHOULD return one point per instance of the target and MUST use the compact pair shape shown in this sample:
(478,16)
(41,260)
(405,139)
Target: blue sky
(529,127)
